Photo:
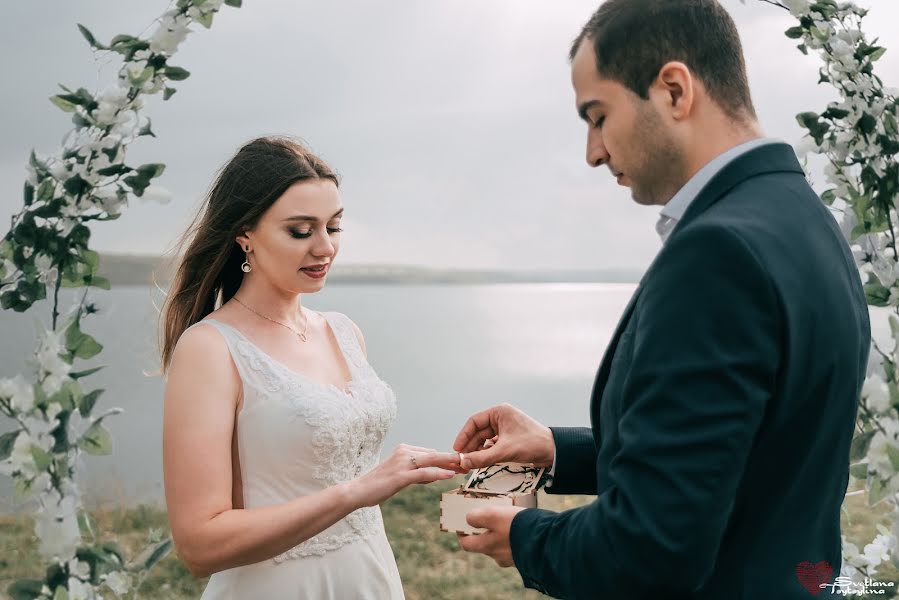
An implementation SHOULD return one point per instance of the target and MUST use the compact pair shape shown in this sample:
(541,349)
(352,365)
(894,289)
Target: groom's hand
(516,436)
(495,541)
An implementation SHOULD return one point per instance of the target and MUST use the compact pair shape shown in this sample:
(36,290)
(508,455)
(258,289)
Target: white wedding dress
(297,437)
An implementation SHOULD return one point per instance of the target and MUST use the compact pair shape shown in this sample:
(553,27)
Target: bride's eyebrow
(311,219)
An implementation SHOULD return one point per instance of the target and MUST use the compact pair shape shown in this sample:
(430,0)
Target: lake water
(447,351)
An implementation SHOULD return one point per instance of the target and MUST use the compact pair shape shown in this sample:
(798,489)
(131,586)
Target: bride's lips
(316,271)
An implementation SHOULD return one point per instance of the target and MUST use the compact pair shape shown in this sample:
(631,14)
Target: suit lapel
(770,158)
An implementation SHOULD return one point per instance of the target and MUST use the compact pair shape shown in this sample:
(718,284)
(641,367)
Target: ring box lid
(503,479)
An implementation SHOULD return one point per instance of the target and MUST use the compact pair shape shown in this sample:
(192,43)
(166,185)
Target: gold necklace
(301,335)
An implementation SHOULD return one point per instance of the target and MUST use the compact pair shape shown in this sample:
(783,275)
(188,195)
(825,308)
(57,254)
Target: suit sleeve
(575,461)
(705,356)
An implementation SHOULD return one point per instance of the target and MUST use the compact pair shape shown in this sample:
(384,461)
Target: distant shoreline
(132,269)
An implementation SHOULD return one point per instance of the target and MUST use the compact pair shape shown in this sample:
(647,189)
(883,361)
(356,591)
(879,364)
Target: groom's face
(625,132)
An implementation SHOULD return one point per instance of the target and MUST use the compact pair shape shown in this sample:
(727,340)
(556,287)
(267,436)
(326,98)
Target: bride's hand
(405,465)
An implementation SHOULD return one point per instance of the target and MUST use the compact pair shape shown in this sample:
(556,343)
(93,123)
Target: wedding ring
(414,462)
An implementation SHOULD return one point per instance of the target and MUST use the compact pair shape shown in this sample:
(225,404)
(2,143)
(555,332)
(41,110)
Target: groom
(724,406)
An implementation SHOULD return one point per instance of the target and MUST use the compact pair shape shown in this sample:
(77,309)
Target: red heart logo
(812,576)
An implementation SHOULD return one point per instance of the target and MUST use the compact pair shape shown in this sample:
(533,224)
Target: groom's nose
(597,155)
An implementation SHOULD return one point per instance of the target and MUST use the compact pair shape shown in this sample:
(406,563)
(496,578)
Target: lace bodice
(297,436)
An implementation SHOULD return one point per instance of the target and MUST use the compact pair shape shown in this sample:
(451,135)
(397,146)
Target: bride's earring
(246,267)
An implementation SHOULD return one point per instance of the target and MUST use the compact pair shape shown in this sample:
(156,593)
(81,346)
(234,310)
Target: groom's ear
(674,89)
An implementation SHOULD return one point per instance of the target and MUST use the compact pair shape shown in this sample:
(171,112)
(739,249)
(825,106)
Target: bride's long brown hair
(209,273)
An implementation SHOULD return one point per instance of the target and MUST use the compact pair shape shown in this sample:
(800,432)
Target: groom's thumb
(482,458)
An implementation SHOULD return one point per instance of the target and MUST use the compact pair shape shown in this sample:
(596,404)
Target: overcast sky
(452,123)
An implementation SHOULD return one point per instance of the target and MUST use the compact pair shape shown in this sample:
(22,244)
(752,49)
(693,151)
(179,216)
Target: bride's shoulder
(201,343)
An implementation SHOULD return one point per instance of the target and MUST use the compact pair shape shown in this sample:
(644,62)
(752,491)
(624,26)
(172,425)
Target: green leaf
(205,19)
(794,33)
(867,124)
(876,53)
(151,170)
(168,93)
(100,282)
(151,555)
(877,490)
(86,524)
(25,589)
(835,113)
(42,458)
(859,447)
(28,194)
(90,38)
(146,130)
(176,73)
(893,454)
(46,190)
(803,48)
(859,471)
(96,440)
(62,103)
(118,169)
(86,405)
(829,196)
(76,185)
(234,3)
(876,294)
(88,348)
(7,440)
(61,593)
(85,373)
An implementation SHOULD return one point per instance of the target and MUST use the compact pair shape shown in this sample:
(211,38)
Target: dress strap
(348,342)
(233,339)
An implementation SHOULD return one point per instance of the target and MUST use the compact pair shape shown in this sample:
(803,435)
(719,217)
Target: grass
(431,564)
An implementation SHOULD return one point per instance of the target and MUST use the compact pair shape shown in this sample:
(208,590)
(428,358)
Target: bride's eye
(334,229)
(301,234)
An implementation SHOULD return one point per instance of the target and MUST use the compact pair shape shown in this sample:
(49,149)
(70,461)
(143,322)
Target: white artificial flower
(21,459)
(878,551)
(109,200)
(126,124)
(39,428)
(173,29)
(877,395)
(79,568)
(56,526)
(118,582)
(64,226)
(157,193)
(154,85)
(27,251)
(878,459)
(806,146)
(19,392)
(78,590)
(797,7)
(47,273)
(886,270)
(839,48)
(135,68)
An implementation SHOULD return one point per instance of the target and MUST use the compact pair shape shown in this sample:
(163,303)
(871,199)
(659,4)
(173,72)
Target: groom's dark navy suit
(723,409)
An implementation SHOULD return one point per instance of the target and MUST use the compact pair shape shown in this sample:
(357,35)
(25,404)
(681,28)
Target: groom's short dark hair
(633,39)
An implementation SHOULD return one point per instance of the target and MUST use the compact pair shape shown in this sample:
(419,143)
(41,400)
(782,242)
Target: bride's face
(296,240)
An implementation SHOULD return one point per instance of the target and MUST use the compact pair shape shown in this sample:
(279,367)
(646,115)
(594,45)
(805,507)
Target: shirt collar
(680,202)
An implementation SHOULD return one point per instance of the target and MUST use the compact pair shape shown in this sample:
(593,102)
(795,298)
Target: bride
(274,420)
